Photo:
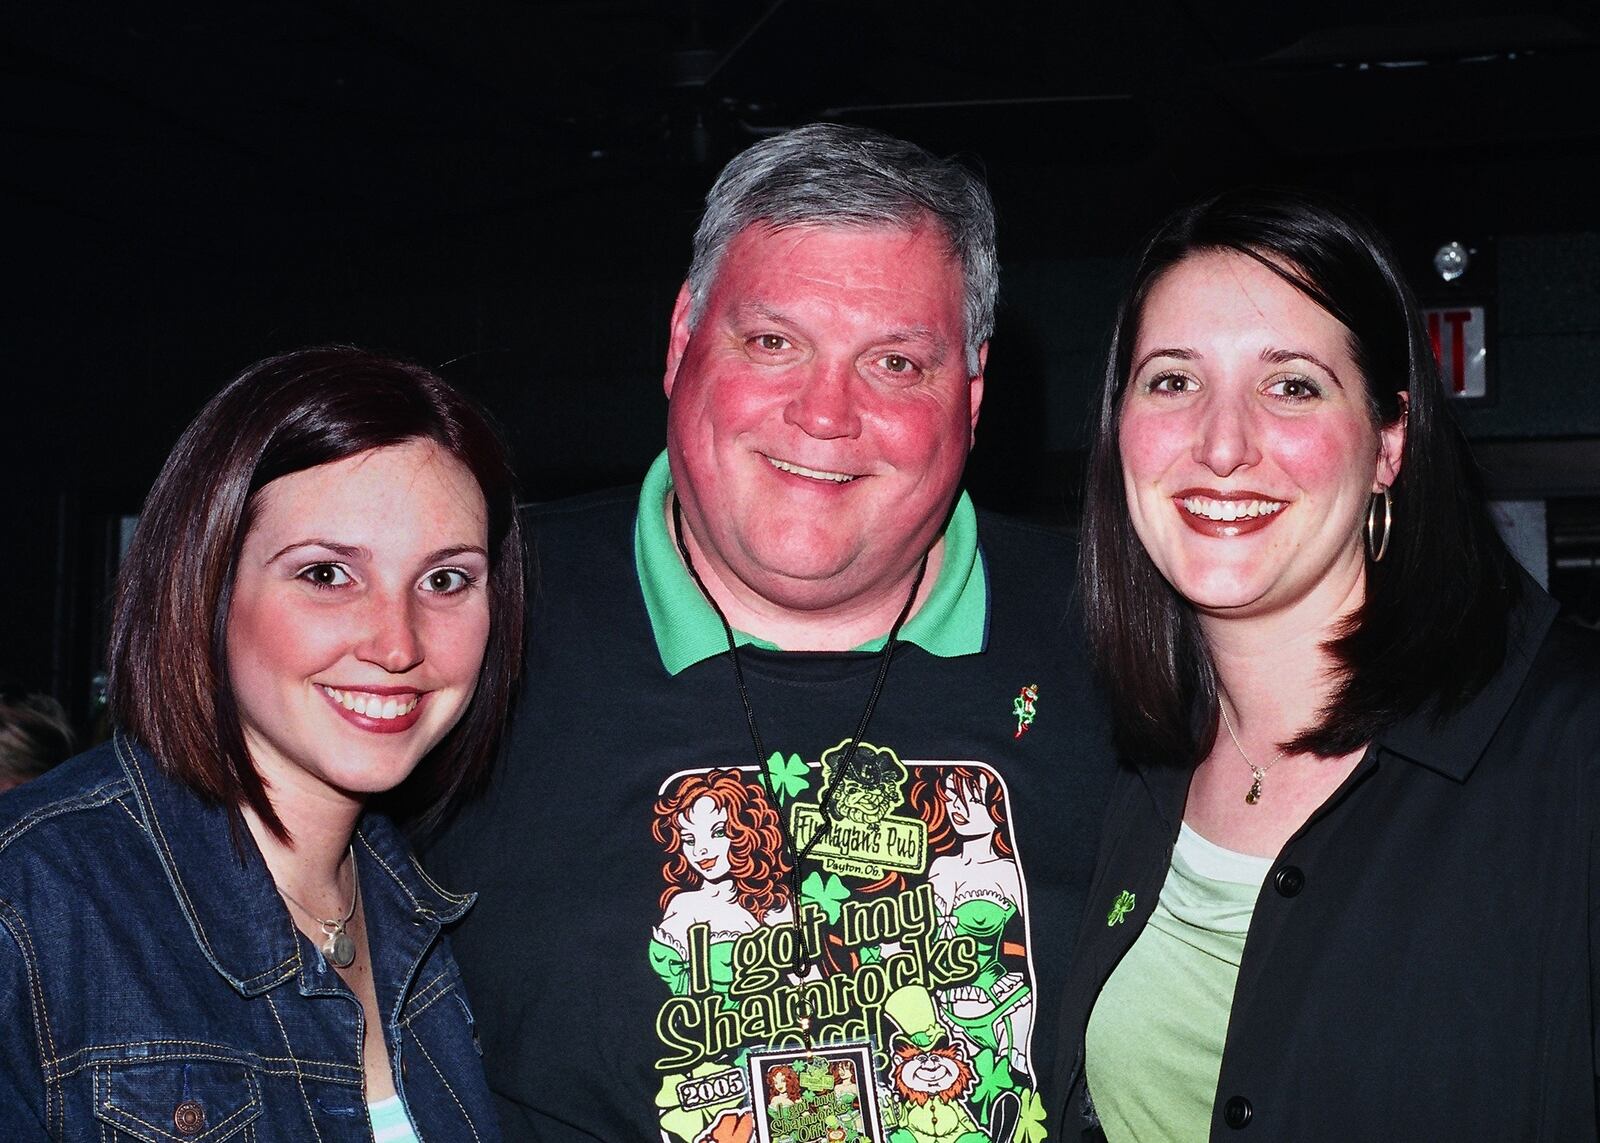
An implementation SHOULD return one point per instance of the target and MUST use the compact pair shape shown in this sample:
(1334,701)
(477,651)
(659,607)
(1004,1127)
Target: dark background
(507,191)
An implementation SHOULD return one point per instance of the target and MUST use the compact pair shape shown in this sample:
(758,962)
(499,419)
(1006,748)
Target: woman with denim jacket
(209,926)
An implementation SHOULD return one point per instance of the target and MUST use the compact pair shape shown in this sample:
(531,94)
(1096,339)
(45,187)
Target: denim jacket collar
(228,899)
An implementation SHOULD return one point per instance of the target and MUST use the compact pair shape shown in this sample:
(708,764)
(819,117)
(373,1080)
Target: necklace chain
(1257,773)
(803,962)
(338,947)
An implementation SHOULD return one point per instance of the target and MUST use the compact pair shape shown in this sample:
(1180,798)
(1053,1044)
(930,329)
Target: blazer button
(1237,1112)
(189,1117)
(1289,880)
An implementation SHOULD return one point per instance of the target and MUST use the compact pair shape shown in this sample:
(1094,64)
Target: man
(745,872)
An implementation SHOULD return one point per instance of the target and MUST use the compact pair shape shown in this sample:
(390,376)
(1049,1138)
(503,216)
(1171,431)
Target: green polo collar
(952,621)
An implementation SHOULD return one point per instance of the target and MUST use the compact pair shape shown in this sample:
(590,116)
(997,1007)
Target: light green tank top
(1155,1038)
(390,1123)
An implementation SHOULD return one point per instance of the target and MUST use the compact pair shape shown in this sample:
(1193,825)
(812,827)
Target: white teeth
(812,473)
(373,706)
(1228,510)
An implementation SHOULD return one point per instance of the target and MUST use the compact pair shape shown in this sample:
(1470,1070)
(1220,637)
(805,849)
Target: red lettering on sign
(1454,362)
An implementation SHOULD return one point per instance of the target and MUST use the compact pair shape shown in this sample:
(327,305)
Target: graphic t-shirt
(913,924)
(644,952)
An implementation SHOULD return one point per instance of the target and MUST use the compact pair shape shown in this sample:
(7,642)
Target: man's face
(820,411)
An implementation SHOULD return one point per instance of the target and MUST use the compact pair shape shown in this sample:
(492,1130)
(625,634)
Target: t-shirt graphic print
(908,949)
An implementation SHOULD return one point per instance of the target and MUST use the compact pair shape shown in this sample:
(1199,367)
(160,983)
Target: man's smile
(810,473)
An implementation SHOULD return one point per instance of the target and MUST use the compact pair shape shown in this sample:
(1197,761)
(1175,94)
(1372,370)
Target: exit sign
(1458,334)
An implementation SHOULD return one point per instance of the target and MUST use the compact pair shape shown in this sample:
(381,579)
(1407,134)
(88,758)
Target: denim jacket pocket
(176,1100)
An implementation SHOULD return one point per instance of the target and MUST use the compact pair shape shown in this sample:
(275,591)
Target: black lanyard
(847,767)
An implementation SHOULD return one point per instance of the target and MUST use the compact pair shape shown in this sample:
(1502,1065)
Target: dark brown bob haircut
(169,666)
(1432,629)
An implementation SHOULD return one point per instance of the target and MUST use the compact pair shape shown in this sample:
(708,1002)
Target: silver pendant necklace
(338,946)
(1257,773)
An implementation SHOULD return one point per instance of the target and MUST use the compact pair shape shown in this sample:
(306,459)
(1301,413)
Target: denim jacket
(153,986)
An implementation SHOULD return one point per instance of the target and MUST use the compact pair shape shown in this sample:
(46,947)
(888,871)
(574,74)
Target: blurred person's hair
(35,735)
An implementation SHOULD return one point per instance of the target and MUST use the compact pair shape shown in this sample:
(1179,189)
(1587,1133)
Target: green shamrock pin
(1120,908)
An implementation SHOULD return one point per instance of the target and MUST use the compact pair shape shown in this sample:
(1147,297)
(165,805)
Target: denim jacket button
(189,1117)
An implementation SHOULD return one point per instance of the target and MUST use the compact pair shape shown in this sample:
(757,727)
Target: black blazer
(1422,960)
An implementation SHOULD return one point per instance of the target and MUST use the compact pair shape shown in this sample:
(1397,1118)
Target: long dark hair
(1432,628)
(170,686)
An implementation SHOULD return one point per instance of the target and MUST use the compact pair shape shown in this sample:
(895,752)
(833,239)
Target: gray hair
(826,174)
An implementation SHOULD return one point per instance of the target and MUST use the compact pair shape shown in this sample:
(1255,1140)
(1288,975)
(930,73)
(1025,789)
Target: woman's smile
(380,710)
(1226,514)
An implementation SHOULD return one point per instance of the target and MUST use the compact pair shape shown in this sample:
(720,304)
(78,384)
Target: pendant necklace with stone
(338,946)
(1257,773)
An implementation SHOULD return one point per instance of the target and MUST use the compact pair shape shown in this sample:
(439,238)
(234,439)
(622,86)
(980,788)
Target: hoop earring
(1378,544)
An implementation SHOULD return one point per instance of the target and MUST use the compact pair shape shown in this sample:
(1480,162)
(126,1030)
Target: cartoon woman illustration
(844,1078)
(725,868)
(783,1087)
(979,892)
(846,1096)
